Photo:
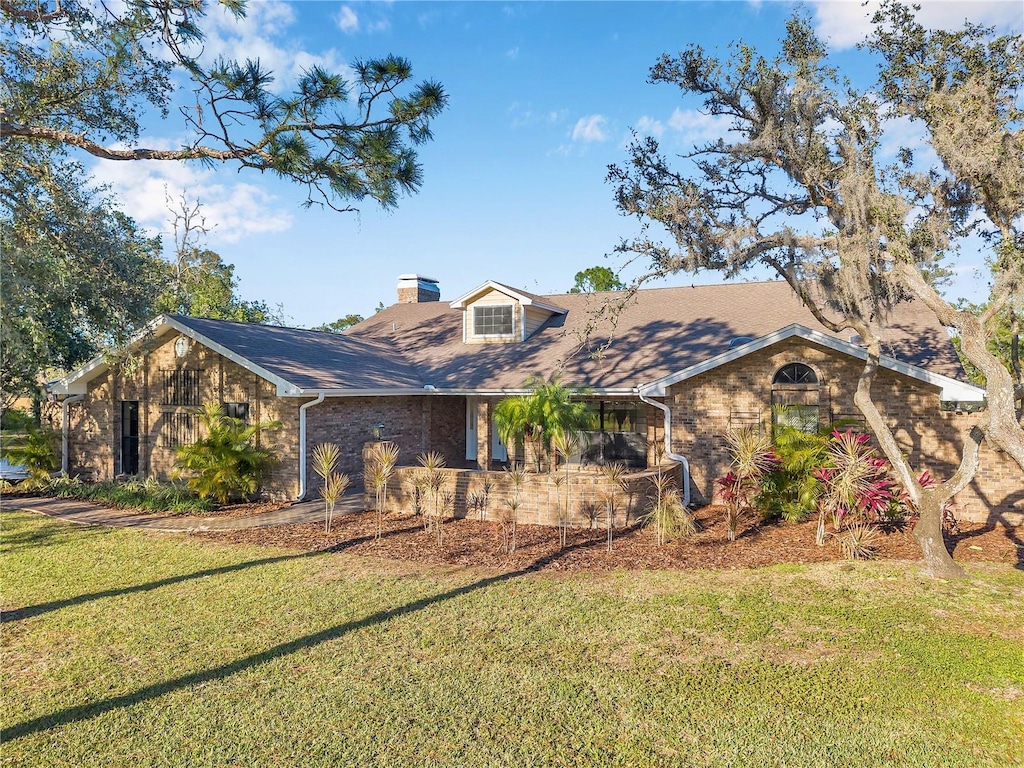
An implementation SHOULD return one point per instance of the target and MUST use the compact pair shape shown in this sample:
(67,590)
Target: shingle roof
(311,360)
(657,332)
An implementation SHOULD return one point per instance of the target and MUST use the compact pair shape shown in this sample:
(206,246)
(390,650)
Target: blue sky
(542,99)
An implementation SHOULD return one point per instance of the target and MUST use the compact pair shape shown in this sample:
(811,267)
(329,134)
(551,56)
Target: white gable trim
(490,285)
(77,382)
(951,388)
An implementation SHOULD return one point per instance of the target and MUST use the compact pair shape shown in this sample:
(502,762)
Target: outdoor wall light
(378,430)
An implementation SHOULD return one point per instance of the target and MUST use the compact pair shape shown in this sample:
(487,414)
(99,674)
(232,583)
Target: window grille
(181,386)
(492,321)
(178,429)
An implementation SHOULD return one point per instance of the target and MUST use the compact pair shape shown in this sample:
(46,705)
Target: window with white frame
(493,320)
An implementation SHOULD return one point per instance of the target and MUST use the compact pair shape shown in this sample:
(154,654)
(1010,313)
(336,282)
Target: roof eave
(951,389)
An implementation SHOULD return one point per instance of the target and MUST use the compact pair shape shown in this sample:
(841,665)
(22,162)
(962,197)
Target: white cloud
(648,126)
(844,23)
(262,35)
(590,128)
(694,126)
(233,210)
(347,20)
(512,53)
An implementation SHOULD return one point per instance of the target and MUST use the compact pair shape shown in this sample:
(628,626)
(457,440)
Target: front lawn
(125,648)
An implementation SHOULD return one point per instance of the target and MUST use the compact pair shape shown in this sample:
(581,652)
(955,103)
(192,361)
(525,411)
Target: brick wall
(587,491)
(95,423)
(706,406)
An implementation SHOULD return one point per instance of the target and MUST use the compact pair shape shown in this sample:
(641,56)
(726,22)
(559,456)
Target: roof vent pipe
(668,445)
(302,444)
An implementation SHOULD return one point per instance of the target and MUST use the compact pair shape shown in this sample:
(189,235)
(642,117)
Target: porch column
(484,409)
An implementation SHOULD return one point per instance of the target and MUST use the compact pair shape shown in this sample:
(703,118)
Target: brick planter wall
(539,496)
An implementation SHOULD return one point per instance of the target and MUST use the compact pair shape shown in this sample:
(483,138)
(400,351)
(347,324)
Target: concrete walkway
(87,513)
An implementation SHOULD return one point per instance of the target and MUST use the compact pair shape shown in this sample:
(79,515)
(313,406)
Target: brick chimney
(415,289)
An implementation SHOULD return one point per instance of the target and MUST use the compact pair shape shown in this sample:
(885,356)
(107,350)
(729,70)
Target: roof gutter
(668,444)
(302,444)
(65,429)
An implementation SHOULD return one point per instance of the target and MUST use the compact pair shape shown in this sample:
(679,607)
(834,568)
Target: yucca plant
(615,472)
(860,541)
(509,520)
(324,461)
(566,443)
(380,468)
(433,464)
(671,519)
(224,463)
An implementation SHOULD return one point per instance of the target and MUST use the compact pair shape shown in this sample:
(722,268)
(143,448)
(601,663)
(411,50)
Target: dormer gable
(497,314)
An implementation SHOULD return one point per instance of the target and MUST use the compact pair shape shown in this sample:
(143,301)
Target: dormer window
(493,320)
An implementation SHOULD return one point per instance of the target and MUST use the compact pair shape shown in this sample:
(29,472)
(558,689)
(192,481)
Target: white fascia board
(951,388)
(296,392)
(77,382)
(282,385)
(490,285)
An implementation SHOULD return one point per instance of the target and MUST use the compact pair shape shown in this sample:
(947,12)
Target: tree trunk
(928,534)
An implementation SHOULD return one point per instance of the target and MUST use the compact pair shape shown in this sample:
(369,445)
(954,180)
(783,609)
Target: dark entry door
(129,437)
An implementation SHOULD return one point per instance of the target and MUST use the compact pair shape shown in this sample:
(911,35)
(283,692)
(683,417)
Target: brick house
(676,367)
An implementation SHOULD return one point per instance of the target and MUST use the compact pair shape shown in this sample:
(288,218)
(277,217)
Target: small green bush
(135,493)
(225,463)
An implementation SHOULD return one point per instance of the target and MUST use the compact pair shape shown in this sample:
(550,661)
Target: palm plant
(37,452)
(536,419)
(380,468)
(225,462)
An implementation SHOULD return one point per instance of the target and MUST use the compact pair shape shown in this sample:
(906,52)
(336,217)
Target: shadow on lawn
(88,711)
(18,614)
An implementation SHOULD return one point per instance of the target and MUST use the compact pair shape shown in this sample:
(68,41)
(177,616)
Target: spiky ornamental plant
(433,464)
(753,459)
(856,486)
(509,522)
(666,511)
(225,462)
(325,460)
(566,443)
(380,468)
(615,472)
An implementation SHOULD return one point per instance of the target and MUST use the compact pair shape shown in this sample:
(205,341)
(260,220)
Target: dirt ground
(475,543)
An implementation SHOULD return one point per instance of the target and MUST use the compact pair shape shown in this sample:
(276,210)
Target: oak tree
(802,188)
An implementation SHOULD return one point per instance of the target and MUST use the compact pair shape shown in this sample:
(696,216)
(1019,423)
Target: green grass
(126,648)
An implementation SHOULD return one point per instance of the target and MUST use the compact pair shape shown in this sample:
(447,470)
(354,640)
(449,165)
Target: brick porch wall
(539,495)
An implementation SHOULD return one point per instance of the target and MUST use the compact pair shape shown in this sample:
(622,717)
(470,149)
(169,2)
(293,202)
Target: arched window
(795,373)
(796,397)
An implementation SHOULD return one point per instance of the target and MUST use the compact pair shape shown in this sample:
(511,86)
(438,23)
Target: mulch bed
(475,543)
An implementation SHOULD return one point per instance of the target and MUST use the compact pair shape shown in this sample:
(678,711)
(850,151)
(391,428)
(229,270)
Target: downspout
(302,444)
(668,445)
(65,429)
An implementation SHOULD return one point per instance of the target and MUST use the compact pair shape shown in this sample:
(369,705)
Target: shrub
(671,520)
(37,452)
(225,463)
(325,459)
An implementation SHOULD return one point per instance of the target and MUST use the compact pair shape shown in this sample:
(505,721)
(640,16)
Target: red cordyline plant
(856,487)
(753,459)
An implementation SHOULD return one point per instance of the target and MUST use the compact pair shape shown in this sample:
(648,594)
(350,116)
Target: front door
(129,437)
(471,429)
(498,450)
